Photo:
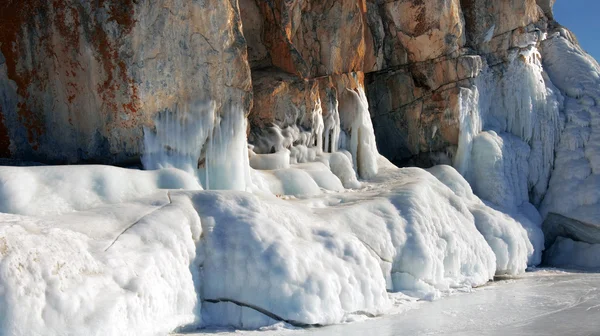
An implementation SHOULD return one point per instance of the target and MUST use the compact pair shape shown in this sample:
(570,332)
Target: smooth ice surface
(545,302)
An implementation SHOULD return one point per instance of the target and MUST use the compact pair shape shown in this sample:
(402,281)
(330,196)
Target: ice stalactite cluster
(180,136)
(346,127)
(194,139)
(527,104)
(358,135)
(529,135)
(574,187)
(517,107)
(331,125)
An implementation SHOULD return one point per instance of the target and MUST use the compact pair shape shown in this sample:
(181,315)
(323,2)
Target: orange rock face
(81,79)
(314,38)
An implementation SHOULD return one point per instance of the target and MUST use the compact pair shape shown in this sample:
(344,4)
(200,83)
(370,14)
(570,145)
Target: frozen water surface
(545,302)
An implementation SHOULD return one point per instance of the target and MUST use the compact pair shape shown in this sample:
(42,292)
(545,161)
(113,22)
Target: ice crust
(54,281)
(506,235)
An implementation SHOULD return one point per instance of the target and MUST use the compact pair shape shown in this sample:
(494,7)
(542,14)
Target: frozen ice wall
(530,135)
(574,190)
(510,127)
(179,137)
(521,107)
(194,139)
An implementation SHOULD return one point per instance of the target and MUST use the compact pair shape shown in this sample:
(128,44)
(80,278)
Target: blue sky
(582,18)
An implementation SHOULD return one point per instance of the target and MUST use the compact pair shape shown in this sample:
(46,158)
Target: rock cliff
(80,79)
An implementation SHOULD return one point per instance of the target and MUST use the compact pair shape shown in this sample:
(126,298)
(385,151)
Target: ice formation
(151,267)
(511,125)
(193,136)
(358,136)
(521,106)
(51,190)
(529,136)
(55,281)
(179,137)
(577,170)
(506,235)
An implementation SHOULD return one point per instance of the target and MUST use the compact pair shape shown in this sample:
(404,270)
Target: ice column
(193,136)
(359,136)
(178,137)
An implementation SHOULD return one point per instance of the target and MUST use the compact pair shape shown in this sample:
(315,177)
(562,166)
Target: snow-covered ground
(544,302)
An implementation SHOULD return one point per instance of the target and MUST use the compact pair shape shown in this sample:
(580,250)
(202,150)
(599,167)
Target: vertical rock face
(429,53)
(414,31)
(487,19)
(315,37)
(80,79)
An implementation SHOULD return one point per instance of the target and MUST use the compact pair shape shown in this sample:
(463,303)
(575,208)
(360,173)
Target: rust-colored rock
(487,19)
(313,38)
(82,78)
(406,31)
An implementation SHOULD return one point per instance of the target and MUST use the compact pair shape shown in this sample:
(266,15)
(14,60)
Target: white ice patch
(574,190)
(49,190)
(279,257)
(54,281)
(499,169)
(358,136)
(506,235)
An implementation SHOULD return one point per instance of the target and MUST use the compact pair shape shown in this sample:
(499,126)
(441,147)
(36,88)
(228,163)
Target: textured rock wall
(80,79)
(440,48)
